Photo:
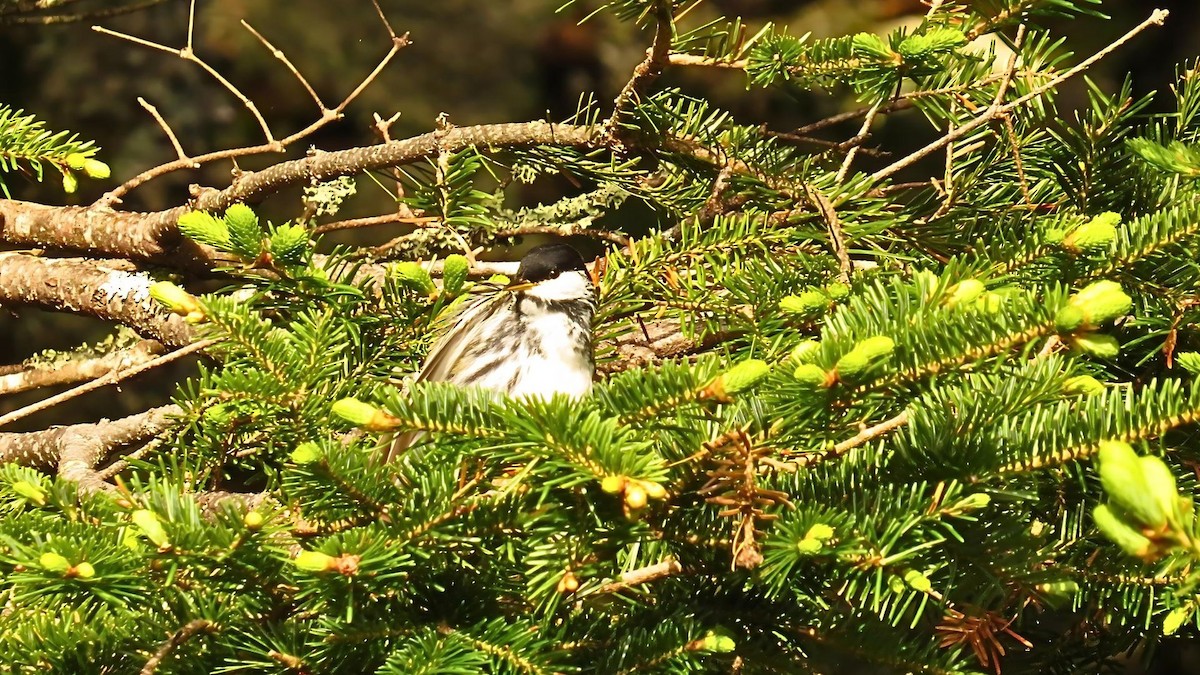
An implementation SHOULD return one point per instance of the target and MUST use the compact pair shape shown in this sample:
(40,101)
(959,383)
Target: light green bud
(1120,533)
(364,415)
(806,351)
(809,303)
(811,375)
(1082,385)
(1189,361)
(30,492)
(918,581)
(809,546)
(454,273)
(94,168)
(413,275)
(69,182)
(837,291)
(1176,618)
(314,561)
(54,562)
(1097,233)
(1098,345)
(743,376)
(964,292)
(150,526)
(1160,484)
(820,532)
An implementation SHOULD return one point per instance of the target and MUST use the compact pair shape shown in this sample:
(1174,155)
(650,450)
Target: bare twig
(667,568)
(177,638)
(37,376)
(271,145)
(188,54)
(648,70)
(837,238)
(1156,19)
(680,59)
(861,136)
(166,129)
(111,377)
(91,15)
(278,53)
(372,221)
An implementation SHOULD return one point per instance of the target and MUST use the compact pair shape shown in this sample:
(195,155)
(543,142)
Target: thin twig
(371,221)
(278,53)
(166,129)
(837,238)
(271,145)
(111,377)
(92,15)
(1156,19)
(648,70)
(863,133)
(682,59)
(667,568)
(177,638)
(36,376)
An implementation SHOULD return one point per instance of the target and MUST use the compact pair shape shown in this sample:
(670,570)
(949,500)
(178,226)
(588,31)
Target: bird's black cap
(548,261)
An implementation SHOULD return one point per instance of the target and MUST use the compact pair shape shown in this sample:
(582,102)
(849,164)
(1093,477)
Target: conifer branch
(643,575)
(1157,17)
(646,72)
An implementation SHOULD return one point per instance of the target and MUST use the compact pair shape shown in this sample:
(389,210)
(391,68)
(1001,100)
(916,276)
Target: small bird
(531,339)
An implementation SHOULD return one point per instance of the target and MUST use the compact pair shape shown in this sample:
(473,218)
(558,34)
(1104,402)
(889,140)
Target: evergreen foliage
(881,451)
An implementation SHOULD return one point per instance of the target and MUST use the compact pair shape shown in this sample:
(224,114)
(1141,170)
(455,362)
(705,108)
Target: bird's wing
(463,329)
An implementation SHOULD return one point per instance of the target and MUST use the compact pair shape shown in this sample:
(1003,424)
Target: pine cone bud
(314,561)
(1123,478)
(364,415)
(150,526)
(613,485)
(176,299)
(1176,618)
(1160,486)
(30,492)
(307,453)
(812,376)
(837,291)
(83,570)
(809,303)
(654,491)
(253,521)
(820,532)
(1098,345)
(1097,233)
(414,276)
(974,501)
(568,583)
(54,562)
(1082,385)
(454,273)
(865,356)
(1095,304)
(94,168)
(75,160)
(743,376)
(918,581)
(635,496)
(1120,533)
(964,292)
(809,546)
(806,351)
(69,182)
(718,643)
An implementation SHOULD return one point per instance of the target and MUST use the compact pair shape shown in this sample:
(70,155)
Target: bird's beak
(519,286)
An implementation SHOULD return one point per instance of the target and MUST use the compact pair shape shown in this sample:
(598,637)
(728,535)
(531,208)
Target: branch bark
(113,290)
(36,376)
(69,447)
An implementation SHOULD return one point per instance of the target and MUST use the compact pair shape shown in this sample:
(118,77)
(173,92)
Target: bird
(530,339)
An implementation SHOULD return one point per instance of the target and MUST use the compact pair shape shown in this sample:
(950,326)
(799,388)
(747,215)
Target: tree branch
(113,290)
(36,376)
(89,442)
